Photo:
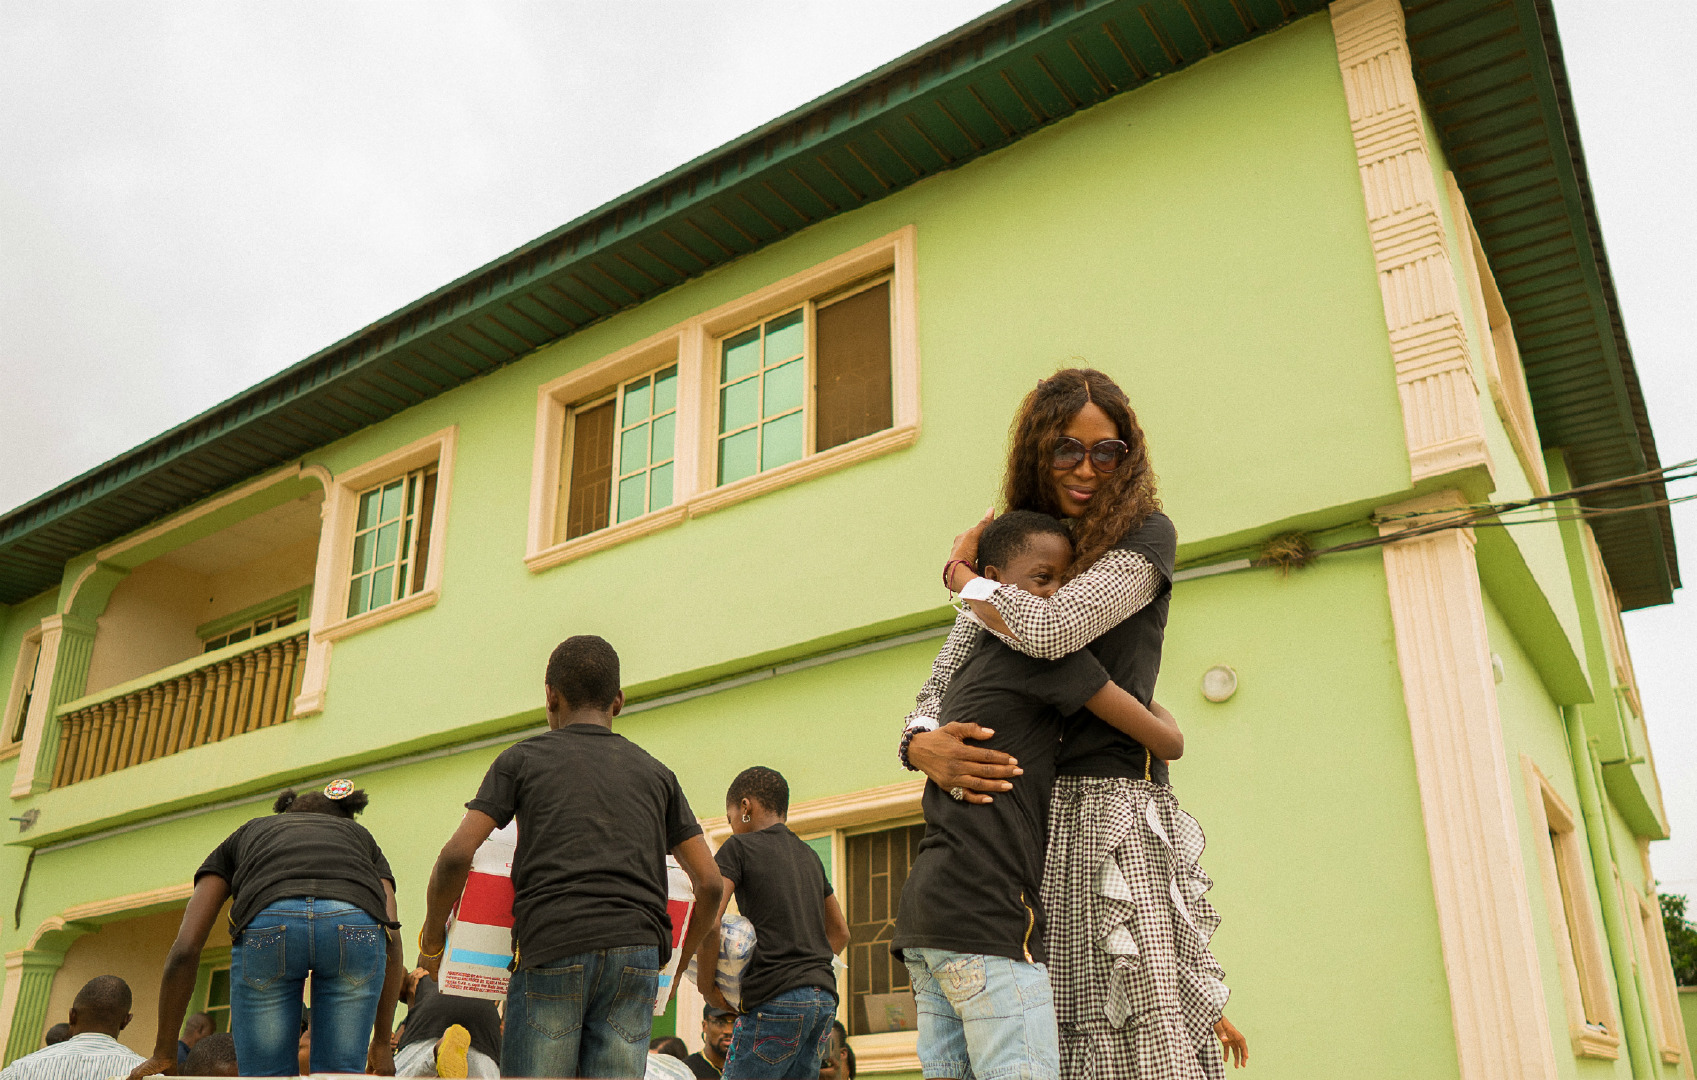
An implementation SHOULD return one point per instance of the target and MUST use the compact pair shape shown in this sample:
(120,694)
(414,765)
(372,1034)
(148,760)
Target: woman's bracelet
(422,952)
(949,568)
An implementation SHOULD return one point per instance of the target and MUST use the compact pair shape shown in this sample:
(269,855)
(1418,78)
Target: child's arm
(712,893)
(836,927)
(707,958)
(1157,731)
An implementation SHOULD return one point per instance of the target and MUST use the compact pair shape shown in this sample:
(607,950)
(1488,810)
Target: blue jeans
(984,1016)
(783,1038)
(586,1015)
(343,949)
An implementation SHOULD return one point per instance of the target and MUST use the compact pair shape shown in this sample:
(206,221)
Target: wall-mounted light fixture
(1219,683)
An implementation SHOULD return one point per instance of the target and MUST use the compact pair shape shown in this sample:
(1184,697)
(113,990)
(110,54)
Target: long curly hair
(1126,496)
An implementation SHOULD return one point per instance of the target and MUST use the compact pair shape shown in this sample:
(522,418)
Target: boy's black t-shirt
(433,1012)
(975,884)
(1131,652)
(301,854)
(597,815)
(781,889)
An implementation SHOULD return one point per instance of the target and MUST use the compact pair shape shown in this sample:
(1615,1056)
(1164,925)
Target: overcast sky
(196,195)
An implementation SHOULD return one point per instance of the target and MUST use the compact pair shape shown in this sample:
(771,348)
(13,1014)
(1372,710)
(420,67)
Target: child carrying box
(789,990)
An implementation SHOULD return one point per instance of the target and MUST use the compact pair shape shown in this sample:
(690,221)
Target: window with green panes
(391,542)
(620,454)
(805,381)
(763,397)
(217,1006)
(648,424)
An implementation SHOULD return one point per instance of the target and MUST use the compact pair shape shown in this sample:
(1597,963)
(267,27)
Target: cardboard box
(480,931)
(891,1012)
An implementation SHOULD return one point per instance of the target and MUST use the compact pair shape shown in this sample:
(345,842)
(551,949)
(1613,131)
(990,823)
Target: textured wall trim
(1434,372)
(1472,839)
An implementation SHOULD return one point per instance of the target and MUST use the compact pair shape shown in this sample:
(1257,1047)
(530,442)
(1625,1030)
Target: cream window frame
(692,345)
(838,816)
(328,622)
(1581,954)
(1504,372)
(25,672)
(1655,967)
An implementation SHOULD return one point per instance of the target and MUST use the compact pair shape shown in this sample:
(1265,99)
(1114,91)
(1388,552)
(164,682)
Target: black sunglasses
(1105,455)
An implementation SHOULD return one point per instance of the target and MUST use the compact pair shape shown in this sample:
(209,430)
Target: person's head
(102,1005)
(196,1028)
(758,799)
(1027,549)
(839,1055)
(716,1025)
(213,1055)
(339,798)
(1076,451)
(56,1034)
(670,1045)
(582,683)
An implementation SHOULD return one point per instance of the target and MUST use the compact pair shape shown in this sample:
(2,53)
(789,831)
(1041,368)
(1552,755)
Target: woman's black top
(302,854)
(1131,651)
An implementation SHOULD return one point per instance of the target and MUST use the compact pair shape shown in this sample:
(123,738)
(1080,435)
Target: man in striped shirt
(93,1052)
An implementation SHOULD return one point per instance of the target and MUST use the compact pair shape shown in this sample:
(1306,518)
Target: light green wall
(1304,782)
(1532,725)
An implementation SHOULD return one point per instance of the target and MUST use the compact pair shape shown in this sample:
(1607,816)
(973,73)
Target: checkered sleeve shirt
(1119,585)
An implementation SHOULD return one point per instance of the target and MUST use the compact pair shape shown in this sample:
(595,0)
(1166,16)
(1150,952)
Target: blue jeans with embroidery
(783,1038)
(343,949)
(587,1015)
(984,1017)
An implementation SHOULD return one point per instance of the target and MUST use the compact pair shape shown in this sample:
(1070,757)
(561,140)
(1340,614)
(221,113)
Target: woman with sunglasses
(1138,994)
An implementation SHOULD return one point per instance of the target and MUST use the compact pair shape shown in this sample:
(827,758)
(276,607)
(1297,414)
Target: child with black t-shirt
(789,991)
(970,925)
(597,815)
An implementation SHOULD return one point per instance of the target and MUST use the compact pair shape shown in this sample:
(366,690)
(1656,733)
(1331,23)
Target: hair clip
(338,789)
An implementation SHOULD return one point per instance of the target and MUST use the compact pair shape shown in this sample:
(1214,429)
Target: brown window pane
(853,392)
(426,517)
(591,464)
(877,867)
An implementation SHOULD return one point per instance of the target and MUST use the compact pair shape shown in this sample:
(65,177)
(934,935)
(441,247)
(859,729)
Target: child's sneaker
(451,1051)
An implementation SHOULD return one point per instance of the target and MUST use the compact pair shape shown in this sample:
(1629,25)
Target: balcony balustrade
(236,689)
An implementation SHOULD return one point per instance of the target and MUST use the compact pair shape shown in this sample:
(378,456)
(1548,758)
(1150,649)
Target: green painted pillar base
(33,971)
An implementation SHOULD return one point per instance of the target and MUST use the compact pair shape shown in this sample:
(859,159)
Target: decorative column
(23,1004)
(1472,839)
(67,642)
(1440,400)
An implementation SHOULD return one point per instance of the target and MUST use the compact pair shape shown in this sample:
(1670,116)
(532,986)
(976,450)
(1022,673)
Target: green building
(1344,259)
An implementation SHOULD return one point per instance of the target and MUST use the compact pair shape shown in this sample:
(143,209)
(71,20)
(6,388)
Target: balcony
(229,691)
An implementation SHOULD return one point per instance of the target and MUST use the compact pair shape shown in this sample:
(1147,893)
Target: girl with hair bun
(310,894)
(1137,991)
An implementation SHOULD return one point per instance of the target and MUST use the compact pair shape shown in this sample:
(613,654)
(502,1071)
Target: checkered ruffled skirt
(1137,992)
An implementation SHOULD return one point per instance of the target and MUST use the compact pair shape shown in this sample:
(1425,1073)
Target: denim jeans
(343,949)
(986,1017)
(783,1038)
(586,1015)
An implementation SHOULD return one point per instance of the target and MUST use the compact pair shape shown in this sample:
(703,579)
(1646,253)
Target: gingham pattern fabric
(1137,992)
(1121,584)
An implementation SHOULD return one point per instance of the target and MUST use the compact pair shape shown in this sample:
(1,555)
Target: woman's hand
(944,756)
(708,983)
(380,1059)
(155,1066)
(966,549)
(1232,1043)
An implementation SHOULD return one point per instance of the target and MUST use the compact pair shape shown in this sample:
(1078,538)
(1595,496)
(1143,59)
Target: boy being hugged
(789,991)
(970,925)
(596,816)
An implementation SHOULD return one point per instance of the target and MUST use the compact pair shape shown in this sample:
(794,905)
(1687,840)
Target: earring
(745,817)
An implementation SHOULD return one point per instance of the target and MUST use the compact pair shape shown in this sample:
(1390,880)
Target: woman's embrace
(1137,992)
